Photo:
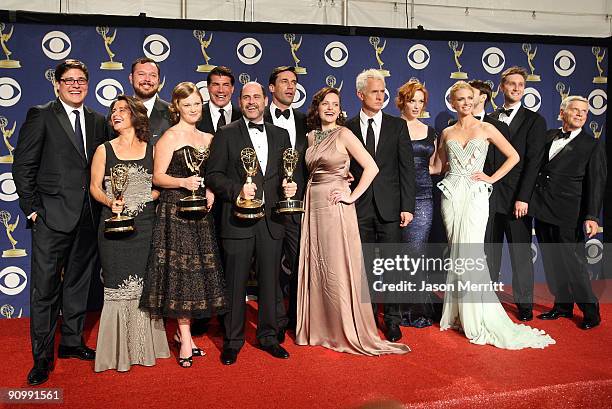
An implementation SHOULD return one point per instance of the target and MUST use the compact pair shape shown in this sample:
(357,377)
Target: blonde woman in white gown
(465,208)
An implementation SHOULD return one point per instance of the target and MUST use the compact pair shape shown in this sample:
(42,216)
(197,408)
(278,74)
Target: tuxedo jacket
(569,187)
(159,121)
(528,137)
(300,175)
(50,173)
(393,189)
(493,162)
(225,175)
(206,123)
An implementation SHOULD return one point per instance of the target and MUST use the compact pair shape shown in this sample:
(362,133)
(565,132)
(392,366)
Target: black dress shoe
(275,350)
(39,374)
(555,314)
(393,333)
(80,352)
(229,356)
(525,315)
(281,335)
(589,323)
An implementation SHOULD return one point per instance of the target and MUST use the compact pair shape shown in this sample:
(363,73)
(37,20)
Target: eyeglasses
(71,81)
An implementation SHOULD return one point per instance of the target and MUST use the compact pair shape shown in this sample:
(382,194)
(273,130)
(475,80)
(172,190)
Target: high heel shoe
(194,351)
(185,362)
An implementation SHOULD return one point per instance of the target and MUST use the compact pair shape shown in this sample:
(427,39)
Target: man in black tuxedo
(145,81)
(218,111)
(567,198)
(388,204)
(242,239)
(51,173)
(282,85)
(513,192)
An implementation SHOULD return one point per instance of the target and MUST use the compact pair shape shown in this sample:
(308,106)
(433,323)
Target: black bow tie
(506,112)
(259,127)
(479,117)
(284,113)
(564,135)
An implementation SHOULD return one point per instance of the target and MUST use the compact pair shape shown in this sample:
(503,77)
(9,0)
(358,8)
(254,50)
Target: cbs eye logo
(564,63)
(387,99)
(8,191)
(107,91)
(156,47)
(203,88)
(594,251)
(534,253)
(56,45)
(300,96)
(10,92)
(447,100)
(336,54)
(418,56)
(13,280)
(249,51)
(598,101)
(532,99)
(493,60)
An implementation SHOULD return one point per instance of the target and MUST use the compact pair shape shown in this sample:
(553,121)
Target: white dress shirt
(508,119)
(215,114)
(559,143)
(149,104)
(285,123)
(260,143)
(72,118)
(363,121)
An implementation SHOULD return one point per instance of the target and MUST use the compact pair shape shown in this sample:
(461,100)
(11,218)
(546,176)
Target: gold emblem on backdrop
(200,35)
(161,85)
(6,135)
(533,77)
(109,65)
(494,93)
(5,218)
(424,114)
(457,75)
(50,76)
(595,129)
(560,87)
(378,49)
(243,78)
(290,38)
(600,79)
(8,311)
(4,38)
(331,81)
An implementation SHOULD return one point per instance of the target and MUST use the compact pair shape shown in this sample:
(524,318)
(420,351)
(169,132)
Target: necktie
(78,132)
(284,113)
(564,135)
(221,120)
(370,147)
(259,127)
(506,112)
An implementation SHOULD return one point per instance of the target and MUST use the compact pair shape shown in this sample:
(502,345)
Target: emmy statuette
(289,205)
(194,158)
(249,208)
(119,180)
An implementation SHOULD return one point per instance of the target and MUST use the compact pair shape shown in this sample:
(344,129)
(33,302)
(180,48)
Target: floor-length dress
(127,335)
(334,308)
(465,206)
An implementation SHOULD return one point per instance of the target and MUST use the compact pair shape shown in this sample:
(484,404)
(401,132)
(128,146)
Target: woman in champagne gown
(466,189)
(334,307)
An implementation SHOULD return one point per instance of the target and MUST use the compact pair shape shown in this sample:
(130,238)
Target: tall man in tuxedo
(282,85)
(388,204)
(219,111)
(567,199)
(51,173)
(145,81)
(242,239)
(513,192)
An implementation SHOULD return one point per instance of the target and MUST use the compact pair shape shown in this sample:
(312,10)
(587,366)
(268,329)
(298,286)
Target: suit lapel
(272,150)
(207,118)
(517,121)
(300,133)
(567,149)
(89,132)
(64,121)
(156,116)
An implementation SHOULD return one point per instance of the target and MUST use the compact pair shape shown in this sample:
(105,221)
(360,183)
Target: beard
(144,95)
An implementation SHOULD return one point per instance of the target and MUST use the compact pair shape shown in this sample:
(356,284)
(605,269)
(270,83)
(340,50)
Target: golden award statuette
(533,77)
(200,35)
(330,80)
(596,129)
(560,87)
(290,38)
(5,217)
(249,208)
(6,135)
(8,311)
(4,38)
(194,158)
(494,92)
(119,223)
(457,75)
(600,79)
(109,65)
(289,205)
(50,76)
(375,41)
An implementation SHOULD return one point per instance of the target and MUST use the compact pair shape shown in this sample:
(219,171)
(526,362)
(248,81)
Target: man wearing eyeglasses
(51,174)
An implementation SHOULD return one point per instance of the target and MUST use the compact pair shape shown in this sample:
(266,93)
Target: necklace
(319,136)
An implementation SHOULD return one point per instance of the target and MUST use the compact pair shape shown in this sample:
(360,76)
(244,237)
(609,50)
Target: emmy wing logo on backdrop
(494,93)
(560,87)
(564,63)
(249,51)
(598,101)
(532,99)
(56,45)
(13,280)
(4,38)
(378,50)
(336,54)
(331,81)
(5,218)
(109,65)
(457,75)
(156,47)
(200,35)
(493,60)
(50,76)
(10,92)
(290,38)
(418,56)
(594,126)
(7,311)
(533,77)
(107,91)
(600,79)
(6,135)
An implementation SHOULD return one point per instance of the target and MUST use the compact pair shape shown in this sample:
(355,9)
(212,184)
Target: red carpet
(443,371)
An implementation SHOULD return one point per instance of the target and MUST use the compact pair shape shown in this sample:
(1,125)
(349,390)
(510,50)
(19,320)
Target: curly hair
(406,92)
(139,118)
(181,91)
(312,117)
